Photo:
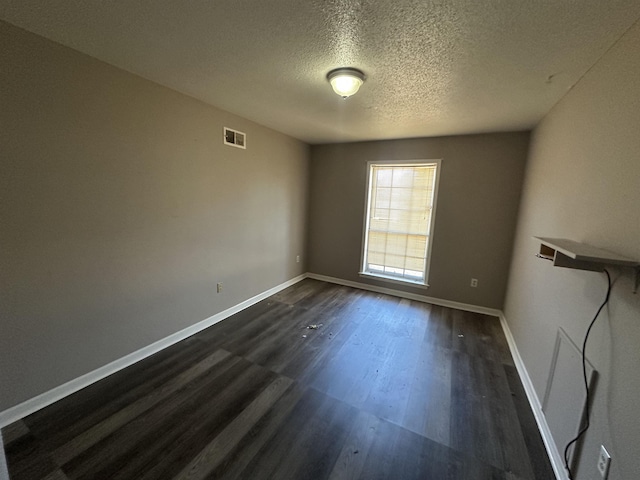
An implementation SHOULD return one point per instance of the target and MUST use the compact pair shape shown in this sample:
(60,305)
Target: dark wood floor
(384,388)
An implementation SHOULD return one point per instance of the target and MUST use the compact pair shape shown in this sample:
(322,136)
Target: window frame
(367,211)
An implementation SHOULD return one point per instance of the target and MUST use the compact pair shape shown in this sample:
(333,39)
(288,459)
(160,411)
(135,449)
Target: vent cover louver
(235,138)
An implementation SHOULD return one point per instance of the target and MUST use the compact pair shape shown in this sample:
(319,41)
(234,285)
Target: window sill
(399,281)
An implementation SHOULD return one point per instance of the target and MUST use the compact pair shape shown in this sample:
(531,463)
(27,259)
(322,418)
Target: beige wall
(583,183)
(121,209)
(478,197)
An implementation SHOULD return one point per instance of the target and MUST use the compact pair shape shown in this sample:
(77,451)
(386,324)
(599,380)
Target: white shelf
(570,254)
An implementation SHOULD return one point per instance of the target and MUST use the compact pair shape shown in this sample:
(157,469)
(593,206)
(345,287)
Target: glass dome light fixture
(345,81)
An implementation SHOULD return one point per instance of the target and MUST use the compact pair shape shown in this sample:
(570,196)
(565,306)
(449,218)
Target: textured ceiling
(433,68)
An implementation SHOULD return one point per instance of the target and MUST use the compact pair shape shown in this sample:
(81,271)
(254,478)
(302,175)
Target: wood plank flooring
(384,388)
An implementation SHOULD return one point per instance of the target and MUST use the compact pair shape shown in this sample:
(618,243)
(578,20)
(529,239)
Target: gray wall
(121,209)
(480,184)
(583,183)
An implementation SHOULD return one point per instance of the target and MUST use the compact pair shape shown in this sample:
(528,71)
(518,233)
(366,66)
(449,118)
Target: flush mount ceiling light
(345,81)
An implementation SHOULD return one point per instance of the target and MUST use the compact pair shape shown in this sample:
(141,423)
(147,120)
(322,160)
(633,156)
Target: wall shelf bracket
(580,256)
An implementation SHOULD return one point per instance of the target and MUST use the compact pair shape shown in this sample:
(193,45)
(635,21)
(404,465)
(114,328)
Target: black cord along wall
(586,382)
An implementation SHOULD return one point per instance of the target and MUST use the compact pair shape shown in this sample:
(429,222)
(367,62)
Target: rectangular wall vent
(235,138)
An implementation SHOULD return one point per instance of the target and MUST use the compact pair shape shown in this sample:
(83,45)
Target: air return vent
(235,138)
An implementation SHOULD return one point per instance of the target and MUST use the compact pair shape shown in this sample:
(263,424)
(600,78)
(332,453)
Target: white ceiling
(433,67)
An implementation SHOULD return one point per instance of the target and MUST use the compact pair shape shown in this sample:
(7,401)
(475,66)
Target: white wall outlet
(297,258)
(474,282)
(219,287)
(604,460)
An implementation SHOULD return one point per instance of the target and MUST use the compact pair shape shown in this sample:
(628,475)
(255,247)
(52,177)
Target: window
(399,220)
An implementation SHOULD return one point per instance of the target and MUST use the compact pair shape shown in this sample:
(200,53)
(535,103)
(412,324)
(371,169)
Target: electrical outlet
(604,460)
(219,287)
(297,258)
(474,282)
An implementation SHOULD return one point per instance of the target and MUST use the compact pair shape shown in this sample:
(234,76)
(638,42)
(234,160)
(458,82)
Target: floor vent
(235,138)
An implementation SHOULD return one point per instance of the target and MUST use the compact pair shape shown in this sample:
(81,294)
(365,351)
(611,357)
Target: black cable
(586,383)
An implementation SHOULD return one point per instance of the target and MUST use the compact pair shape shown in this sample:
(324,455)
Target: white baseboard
(552,450)
(47,398)
(411,296)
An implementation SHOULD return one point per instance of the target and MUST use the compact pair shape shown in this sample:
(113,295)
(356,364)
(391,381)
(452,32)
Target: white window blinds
(399,220)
